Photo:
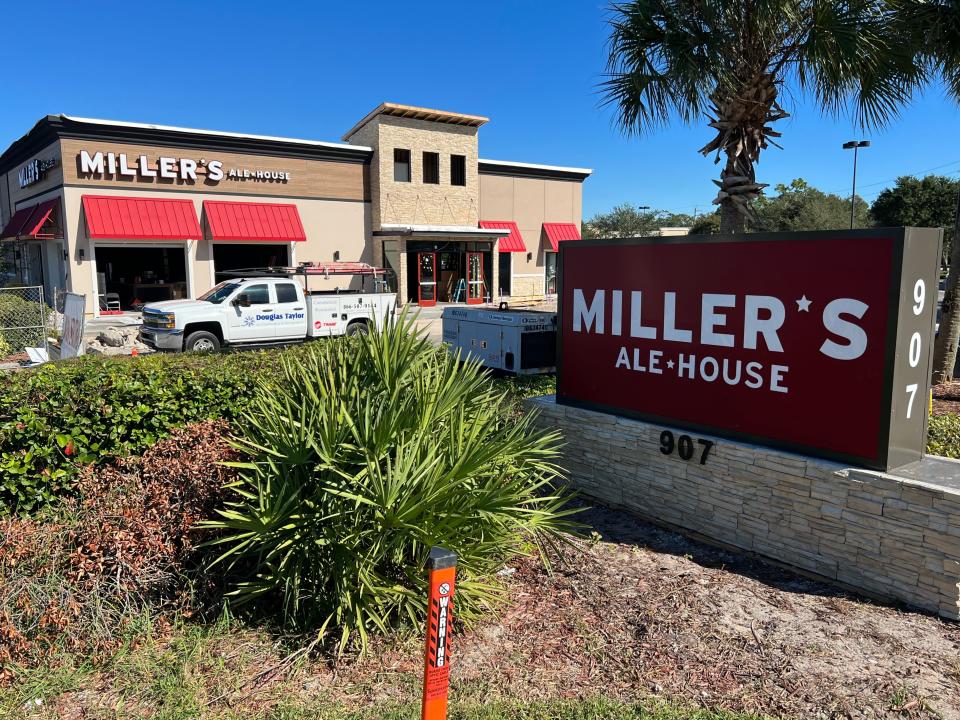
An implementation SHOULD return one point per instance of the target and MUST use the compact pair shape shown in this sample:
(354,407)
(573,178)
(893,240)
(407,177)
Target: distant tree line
(930,201)
(626,220)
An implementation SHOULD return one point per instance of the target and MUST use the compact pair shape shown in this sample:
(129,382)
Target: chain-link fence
(23,320)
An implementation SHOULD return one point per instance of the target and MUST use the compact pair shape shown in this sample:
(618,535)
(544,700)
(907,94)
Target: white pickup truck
(268,306)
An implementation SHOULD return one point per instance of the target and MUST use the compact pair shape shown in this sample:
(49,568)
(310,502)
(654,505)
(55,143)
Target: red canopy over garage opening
(129,218)
(253,222)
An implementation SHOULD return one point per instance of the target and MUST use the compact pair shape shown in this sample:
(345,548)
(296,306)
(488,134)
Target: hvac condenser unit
(518,341)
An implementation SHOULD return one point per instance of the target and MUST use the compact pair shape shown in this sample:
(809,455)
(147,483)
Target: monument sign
(818,342)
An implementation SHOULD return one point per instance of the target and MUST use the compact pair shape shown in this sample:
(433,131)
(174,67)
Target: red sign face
(787,342)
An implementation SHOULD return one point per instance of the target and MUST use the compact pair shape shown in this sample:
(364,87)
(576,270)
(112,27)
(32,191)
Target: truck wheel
(202,341)
(358,328)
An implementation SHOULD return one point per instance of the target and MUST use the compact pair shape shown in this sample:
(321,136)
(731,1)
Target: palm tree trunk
(945,346)
(742,124)
(732,217)
(731,221)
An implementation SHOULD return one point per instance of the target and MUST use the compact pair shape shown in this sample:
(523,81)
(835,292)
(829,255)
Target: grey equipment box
(518,341)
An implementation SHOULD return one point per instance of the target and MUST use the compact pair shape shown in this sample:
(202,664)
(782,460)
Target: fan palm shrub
(364,454)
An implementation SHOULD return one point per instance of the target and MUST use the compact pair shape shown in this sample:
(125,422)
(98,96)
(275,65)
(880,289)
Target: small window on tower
(431,168)
(458,169)
(401,165)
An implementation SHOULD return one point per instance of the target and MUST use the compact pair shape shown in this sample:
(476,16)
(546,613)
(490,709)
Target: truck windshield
(218,293)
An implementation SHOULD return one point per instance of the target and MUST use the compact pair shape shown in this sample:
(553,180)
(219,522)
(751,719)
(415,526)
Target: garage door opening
(234,256)
(130,277)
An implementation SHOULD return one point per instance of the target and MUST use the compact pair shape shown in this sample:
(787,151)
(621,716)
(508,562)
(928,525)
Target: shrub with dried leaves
(123,545)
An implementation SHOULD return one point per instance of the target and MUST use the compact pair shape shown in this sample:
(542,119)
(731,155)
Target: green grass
(520,387)
(210,672)
(591,709)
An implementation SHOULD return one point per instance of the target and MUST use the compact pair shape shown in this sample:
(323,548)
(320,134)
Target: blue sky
(311,69)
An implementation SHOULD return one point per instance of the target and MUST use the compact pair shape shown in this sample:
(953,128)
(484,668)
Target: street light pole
(854,145)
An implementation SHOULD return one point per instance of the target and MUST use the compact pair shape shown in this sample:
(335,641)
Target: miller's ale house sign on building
(818,342)
(145,167)
(34,171)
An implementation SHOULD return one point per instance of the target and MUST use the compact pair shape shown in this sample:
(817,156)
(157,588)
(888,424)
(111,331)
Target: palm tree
(933,28)
(727,62)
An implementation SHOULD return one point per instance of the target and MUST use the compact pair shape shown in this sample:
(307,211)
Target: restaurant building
(128,213)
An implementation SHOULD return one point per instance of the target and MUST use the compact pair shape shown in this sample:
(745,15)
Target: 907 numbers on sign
(684,446)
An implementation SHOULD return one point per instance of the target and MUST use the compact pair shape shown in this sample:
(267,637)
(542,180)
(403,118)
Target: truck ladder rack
(308,269)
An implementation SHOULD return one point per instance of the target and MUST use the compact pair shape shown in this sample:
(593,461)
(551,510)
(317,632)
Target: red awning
(253,222)
(20,218)
(136,218)
(27,222)
(509,243)
(559,232)
(41,214)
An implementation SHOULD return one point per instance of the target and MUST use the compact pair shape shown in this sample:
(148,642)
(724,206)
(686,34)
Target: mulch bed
(646,611)
(946,398)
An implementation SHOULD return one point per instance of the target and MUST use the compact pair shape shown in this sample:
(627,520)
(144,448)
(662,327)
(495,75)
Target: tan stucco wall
(415,202)
(330,225)
(530,202)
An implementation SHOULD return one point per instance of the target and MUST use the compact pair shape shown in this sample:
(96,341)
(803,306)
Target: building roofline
(50,128)
(214,133)
(417,113)
(533,170)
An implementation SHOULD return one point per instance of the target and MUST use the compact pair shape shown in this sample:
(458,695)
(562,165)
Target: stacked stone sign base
(891,536)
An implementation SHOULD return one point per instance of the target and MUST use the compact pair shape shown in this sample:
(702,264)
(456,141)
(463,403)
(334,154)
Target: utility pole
(854,145)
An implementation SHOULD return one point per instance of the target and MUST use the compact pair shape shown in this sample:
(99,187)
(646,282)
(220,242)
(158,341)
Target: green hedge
(943,435)
(62,415)
(55,418)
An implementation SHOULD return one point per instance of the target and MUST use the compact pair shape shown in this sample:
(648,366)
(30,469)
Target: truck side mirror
(242,300)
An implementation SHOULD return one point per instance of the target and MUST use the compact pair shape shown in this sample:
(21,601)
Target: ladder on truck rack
(325,269)
(307,270)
